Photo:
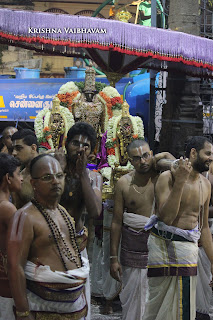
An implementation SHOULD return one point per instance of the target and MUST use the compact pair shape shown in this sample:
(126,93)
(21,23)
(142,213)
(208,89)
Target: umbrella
(116,47)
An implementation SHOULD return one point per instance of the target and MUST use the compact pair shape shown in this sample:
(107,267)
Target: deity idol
(51,125)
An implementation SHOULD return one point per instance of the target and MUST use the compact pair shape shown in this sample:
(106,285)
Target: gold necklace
(145,187)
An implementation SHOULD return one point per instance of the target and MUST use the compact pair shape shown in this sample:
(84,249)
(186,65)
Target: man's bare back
(10,181)
(7,209)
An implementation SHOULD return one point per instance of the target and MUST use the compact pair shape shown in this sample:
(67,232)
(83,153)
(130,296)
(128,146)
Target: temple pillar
(182,115)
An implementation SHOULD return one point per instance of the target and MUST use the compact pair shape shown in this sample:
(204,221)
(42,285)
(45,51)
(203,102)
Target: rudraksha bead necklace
(61,245)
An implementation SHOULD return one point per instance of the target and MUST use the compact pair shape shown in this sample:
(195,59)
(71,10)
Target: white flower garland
(106,173)
(116,112)
(111,92)
(68,87)
(47,119)
(68,118)
(38,124)
(138,127)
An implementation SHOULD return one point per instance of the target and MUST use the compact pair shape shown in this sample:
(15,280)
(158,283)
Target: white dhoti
(96,269)
(204,292)
(57,295)
(172,270)
(6,302)
(134,293)
(166,298)
(6,309)
(133,258)
(111,287)
(81,238)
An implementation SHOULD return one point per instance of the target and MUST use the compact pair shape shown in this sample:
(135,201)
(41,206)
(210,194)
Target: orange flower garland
(67,99)
(111,151)
(135,136)
(108,103)
(47,134)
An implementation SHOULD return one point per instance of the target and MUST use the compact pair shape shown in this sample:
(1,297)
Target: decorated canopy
(115,46)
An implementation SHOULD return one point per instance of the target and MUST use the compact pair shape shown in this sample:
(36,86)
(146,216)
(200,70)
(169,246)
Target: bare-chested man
(25,148)
(10,181)
(42,251)
(183,202)
(83,188)
(6,139)
(134,203)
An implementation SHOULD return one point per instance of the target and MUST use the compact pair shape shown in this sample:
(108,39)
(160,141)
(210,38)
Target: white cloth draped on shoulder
(134,280)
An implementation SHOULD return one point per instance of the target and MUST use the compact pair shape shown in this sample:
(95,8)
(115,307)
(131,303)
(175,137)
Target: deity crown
(56,105)
(125,109)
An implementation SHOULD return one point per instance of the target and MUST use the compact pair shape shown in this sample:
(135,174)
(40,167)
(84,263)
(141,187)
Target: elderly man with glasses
(43,255)
(134,203)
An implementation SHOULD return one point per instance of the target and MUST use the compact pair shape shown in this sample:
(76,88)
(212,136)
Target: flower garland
(107,102)
(67,99)
(38,124)
(71,92)
(68,87)
(112,101)
(42,125)
(111,92)
(106,173)
(112,141)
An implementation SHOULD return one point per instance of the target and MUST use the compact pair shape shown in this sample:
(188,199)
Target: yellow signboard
(2,105)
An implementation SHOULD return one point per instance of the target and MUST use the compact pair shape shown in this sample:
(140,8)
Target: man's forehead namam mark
(47,165)
(82,138)
(141,150)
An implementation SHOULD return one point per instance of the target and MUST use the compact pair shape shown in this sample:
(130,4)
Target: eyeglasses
(50,177)
(144,156)
(79,144)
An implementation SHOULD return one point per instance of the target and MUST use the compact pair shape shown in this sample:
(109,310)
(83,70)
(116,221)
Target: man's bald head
(136,144)
(8,129)
(6,137)
(38,161)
